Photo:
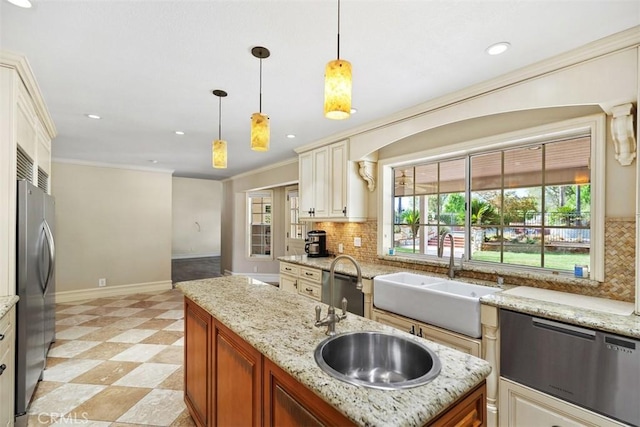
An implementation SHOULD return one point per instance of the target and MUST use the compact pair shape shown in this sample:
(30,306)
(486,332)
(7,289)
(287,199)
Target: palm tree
(412,218)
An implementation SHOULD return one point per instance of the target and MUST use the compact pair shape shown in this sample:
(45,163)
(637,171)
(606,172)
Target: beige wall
(234,219)
(111,223)
(196,206)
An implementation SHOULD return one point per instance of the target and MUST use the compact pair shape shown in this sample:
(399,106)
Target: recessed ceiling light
(179,132)
(290,136)
(498,48)
(21,3)
(94,116)
(153,161)
(353,111)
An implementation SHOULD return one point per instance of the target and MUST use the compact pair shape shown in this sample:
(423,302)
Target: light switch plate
(340,248)
(357,242)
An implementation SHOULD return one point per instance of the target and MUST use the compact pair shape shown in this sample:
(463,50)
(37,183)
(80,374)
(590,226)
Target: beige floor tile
(139,297)
(99,301)
(74,319)
(53,361)
(169,305)
(163,337)
(110,403)
(126,312)
(75,332)
(104,351)
(102,310)
(183,420)
(134,336)
(172,314)
(120,303)
(72,348)
(150,313)
(155,324)
(128,322)
(106,373)
(40,420)
(178,325)
(139,352)
(103,334)
(172,354)
(159,407)
(101,321)
(160,297)
(75,309)
(147,375)
(143,304)
(174,381)
(64,398)
(65,372)
(44,387)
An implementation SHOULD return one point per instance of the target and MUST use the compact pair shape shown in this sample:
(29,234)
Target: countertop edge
(6,302)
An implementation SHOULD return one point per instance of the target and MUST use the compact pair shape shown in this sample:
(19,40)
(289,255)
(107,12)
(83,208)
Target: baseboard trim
(111,291)
(187,256)
(263,277)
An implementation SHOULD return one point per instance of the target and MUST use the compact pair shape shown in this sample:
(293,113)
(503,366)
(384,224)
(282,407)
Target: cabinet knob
(2,368)
(295,284)
(309,290)
(344,211)
(420,333)
(412,331)
(1,337)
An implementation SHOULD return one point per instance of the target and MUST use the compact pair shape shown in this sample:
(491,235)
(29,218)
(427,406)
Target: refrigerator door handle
(52,253)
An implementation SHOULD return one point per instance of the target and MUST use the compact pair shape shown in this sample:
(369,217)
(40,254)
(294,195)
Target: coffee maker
(316,245)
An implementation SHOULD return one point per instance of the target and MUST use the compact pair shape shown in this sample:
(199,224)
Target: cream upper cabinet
(27,127)
(330,187)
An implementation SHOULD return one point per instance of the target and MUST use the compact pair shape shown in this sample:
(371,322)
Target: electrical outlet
(357,242)
(102,282)
(340,248)
(255,269)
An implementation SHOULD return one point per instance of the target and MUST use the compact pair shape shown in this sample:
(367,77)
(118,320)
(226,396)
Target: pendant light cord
(338,29)
(260,109)
(219,118)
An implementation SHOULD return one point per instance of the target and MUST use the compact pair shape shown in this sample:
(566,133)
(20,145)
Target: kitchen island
(280,327)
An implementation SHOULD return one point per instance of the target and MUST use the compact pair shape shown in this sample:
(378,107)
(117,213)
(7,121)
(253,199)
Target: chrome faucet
(451,272)
(333,318)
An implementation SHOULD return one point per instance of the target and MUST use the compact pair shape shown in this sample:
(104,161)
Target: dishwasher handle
(563,328)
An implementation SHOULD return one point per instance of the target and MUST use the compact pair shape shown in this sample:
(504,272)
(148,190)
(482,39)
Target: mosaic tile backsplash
(619,259)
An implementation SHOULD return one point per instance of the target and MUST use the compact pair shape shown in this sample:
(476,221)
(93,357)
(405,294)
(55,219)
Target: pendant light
(260,122)
(337,85)
(219,146)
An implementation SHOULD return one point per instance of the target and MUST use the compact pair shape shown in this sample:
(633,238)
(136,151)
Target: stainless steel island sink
(377,360)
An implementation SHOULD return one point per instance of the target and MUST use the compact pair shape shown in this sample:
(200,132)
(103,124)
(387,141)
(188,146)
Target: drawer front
(310,289)
(311,274)
(6,331)
(286,268)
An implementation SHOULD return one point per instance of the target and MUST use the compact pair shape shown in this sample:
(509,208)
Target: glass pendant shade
(337,90)
(260,132)
(219,154)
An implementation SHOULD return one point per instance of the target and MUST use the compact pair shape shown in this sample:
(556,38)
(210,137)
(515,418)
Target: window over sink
(532,199)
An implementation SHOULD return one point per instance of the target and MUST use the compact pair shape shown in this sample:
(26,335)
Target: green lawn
(551,260)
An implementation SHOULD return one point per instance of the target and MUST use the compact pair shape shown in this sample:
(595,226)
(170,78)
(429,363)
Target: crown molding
(110,165)
(20,64)
(627,39)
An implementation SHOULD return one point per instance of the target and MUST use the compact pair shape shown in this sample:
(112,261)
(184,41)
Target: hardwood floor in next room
(116,362)
(195,268)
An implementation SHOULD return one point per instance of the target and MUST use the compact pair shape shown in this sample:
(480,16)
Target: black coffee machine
(316,245)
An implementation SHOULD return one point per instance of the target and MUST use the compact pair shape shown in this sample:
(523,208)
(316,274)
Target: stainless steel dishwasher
(593,369)
(345,286)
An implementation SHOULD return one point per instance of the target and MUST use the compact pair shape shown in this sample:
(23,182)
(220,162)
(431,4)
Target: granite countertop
(6,303)
(369,270)
(604,315)
(281,326)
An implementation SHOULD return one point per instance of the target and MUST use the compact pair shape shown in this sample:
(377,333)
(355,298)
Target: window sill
(496,270)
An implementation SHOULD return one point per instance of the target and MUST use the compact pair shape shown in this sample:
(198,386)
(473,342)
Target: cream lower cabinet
(302,280)
(7,367)
(522,406)
(441,336)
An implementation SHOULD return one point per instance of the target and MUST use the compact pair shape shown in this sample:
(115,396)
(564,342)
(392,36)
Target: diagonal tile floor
(116,362)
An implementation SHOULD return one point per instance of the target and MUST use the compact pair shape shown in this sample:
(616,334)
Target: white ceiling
(148,67)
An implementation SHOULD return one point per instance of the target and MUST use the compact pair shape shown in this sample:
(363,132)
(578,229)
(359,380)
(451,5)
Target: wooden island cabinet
(230,383)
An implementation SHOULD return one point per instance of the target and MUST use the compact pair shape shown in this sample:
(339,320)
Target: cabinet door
(288,283)
(397,322)
(523,406)
(7,368)
(338,176)
(238,376)
(321,181)
(287,403)
(450,339)
(306,184)
(469,411)
(197,362)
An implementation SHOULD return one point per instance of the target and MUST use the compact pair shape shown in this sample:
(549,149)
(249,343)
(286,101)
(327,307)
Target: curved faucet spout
(451,272)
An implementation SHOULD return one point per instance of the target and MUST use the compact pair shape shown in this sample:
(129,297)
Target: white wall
(111,223)
(196,207)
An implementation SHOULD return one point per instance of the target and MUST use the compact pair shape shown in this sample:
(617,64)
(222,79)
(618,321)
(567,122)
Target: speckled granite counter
(369,270)
(281,326)
(6,303)
(627,325)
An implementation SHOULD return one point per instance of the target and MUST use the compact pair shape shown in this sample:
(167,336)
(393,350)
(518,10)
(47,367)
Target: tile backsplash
(619,283)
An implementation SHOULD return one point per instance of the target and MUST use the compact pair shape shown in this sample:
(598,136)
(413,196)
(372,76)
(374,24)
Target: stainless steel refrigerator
(35,285)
